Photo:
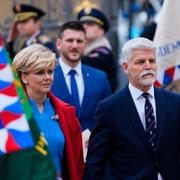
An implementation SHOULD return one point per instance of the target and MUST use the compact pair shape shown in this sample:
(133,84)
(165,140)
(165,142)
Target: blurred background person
(26,29)
(150,24)
(98,52)
(56,119)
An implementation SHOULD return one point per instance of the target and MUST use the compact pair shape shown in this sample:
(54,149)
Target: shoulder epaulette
(44,38)
(102,50)
(93,55)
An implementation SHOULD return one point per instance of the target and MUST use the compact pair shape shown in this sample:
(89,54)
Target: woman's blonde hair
(34,57)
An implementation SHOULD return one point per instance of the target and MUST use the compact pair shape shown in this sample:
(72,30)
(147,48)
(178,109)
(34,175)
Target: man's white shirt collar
(66,68)
(137,93)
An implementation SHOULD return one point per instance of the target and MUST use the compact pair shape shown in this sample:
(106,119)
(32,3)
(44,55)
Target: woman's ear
(23,77)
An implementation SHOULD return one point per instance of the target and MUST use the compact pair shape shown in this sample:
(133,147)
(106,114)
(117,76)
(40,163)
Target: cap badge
(18,7)
(87,10)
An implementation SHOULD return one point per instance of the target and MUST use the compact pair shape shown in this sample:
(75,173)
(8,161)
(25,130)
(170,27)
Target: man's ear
(125,67)
(58,43)
(86,43)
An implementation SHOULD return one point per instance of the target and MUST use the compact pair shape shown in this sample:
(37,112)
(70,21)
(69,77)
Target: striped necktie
(150,121)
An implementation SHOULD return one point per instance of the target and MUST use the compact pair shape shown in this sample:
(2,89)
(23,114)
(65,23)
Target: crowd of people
(72,87)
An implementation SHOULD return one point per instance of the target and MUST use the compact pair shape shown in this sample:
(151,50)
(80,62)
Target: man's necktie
(74,90)
(150,121)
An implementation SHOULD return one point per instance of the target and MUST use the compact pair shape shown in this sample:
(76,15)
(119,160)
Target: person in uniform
(26,29)
(98,52)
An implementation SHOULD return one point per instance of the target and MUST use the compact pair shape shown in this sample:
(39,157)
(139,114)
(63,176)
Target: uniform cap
(24,12)
(89,14)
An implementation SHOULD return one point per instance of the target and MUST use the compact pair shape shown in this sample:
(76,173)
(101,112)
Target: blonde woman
(57,120)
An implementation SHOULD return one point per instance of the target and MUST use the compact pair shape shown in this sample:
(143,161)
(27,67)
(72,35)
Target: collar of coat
(99,42)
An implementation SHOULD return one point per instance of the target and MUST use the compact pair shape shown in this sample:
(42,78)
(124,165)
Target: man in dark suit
(26,29)
(74,83)
(137,130)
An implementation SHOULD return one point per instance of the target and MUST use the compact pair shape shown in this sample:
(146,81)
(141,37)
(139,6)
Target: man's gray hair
(136,43)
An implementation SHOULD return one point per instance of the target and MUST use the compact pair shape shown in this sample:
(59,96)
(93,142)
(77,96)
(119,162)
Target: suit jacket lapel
(86,77)
(160,115)
(61,85)
(133,116)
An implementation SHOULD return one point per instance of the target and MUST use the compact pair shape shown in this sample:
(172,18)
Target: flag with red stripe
(167,39)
